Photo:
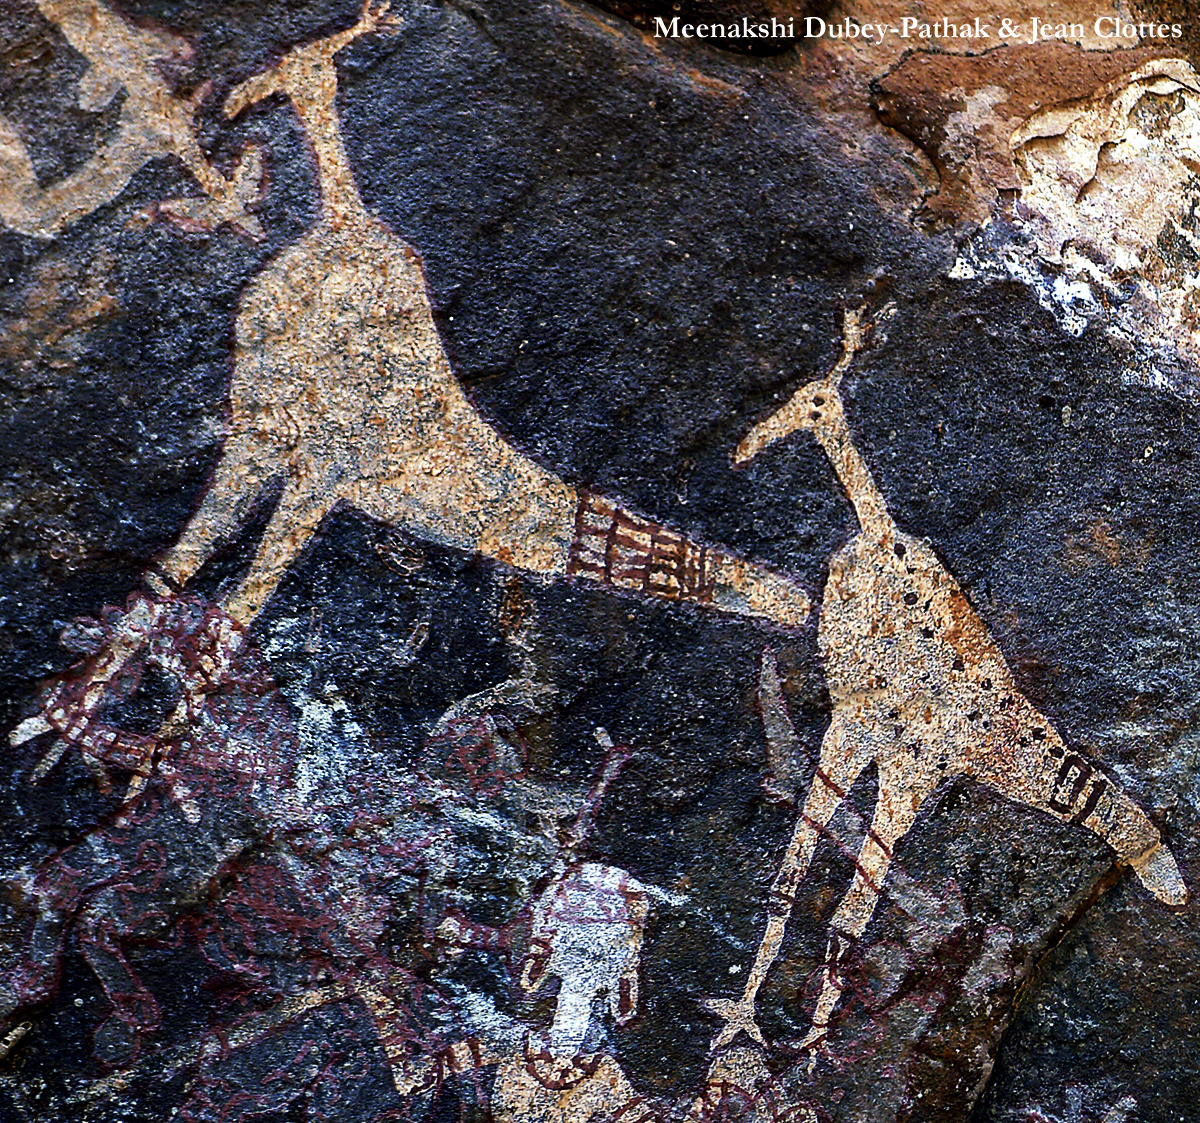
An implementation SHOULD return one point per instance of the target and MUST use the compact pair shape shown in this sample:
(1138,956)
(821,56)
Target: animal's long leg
(1037,769)
(294,522)
(245,467)
(617,547)
(297,516)
(70,705)
(894,815)
(44,212)
(844,754)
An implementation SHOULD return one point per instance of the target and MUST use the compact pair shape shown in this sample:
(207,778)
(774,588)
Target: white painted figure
(587,933)
(586,929)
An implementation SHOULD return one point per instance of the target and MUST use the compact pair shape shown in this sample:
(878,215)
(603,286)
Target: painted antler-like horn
(616,757)
(293,72)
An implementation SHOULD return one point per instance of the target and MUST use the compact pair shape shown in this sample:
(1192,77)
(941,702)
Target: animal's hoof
(227,205)
(1159,874)
(739,1018)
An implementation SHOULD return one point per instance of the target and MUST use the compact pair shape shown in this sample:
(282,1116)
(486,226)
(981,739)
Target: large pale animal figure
(341,382)
(341,387)
(919,689)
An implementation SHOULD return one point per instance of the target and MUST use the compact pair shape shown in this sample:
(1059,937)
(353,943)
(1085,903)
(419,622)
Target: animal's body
(919,686)
(341,385)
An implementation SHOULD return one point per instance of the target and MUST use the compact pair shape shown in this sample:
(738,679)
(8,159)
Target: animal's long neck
(855,476)
(316,106)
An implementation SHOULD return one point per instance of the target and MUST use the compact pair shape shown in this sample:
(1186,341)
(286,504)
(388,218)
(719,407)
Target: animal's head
(307,72)
(816,406)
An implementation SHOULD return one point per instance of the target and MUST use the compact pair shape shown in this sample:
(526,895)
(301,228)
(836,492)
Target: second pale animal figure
(920,689)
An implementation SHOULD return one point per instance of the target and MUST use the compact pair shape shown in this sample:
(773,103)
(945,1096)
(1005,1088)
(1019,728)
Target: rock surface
(458,776)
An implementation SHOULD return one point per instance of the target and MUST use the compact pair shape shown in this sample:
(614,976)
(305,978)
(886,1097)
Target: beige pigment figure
(919,689)
(154,122)
(341,386)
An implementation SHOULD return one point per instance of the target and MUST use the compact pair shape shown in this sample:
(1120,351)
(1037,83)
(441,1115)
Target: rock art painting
(123,62)
(564,574)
